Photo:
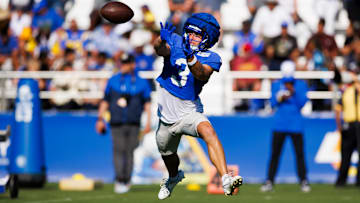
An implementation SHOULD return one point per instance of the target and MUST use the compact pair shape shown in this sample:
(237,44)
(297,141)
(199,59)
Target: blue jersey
(176,76)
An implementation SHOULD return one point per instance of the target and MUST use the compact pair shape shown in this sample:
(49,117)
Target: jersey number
(181,80)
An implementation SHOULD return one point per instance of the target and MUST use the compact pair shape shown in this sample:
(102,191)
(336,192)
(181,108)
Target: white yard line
(73,199)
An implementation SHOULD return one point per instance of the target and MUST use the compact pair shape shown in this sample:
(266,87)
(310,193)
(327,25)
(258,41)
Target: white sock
(224,177)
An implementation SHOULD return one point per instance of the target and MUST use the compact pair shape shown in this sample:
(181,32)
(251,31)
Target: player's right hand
(100,127)
(189,53)
(166,31)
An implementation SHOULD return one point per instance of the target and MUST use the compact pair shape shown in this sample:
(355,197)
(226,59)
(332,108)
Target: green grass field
(148,193)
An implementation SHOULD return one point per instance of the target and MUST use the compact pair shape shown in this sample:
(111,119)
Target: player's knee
(207,133)
(210,138)
(163,147)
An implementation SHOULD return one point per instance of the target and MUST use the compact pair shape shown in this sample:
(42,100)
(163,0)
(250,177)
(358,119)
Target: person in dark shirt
(126,97)
(281,48)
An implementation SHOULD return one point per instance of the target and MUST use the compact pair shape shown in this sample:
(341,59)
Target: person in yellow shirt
(349,127)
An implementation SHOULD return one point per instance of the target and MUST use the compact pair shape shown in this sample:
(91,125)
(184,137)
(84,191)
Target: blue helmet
(204,24)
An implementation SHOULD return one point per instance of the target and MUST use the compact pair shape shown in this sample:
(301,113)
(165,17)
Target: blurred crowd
(276,33)
(38,35)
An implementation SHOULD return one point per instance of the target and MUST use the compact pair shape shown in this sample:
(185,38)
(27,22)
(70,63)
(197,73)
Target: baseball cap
(287,69)
(127,58)
(284,24)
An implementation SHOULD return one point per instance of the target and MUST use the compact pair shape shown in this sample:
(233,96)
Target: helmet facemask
(194,29)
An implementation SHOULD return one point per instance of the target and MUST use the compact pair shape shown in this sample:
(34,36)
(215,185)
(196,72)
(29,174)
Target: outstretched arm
(162,43)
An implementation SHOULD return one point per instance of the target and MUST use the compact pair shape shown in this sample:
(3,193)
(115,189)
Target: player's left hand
(166,31)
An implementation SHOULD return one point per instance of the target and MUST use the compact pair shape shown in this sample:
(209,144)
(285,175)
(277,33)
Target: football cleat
(305,187)
(168,184)
(231,183)
(120,188)
(267,186)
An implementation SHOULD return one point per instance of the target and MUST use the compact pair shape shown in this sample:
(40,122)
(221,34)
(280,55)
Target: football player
(188,65)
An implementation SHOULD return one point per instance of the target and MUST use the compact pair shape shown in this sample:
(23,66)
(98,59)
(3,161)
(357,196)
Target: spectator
(34,64)
(99,61)
(104,39)
(268,20)
(320,52)
(61,6)
(302,31)
(126,96)
(75,39)
(352,36)
(148,18)
(180,10)
(349,129)
(288,96)
(246,61)
(328,9)
(213,7)
(143,51)
(281,48)
(66,88)
(45,21)
(95,62)
(322,42)
(54,43)
(353,60)
(8,44)
(19,21)
(244,36)
(70,58)
(45,18)
(124,31)
(253,6)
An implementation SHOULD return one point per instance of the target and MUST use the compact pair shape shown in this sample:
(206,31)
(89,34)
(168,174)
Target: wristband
(193,61)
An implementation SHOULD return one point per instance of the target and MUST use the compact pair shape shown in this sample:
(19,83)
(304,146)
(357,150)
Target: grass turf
(286,193)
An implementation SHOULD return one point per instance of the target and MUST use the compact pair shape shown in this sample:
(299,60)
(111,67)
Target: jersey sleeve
(107,90)
(213,60)
(147,91)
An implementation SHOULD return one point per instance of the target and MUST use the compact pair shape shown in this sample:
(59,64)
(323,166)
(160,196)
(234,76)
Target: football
(116,12)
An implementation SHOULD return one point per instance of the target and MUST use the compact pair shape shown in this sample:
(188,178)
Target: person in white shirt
(268,20)
(19,21)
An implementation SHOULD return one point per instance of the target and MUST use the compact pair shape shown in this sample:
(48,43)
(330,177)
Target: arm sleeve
(274,90)
(300,94)
(107,91)
(214,61)
(258,45)
(236,48)
(147,91)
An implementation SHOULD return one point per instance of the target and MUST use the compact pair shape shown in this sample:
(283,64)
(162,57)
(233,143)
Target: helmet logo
(194,28)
